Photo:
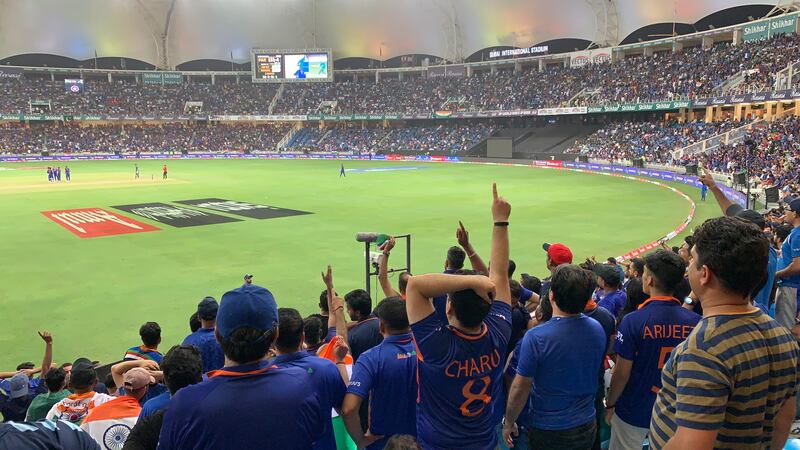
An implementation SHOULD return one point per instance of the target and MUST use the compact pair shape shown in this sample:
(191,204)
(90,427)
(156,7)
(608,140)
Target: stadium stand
(686,74)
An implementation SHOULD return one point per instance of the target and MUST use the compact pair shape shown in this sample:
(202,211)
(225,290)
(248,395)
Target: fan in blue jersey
(461,364)
(608,279)
(644,341)
(385,376)
(250,402)
(559,363)
(787,282)
(327,381)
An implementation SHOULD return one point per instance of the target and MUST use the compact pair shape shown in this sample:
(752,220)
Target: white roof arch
(214,29)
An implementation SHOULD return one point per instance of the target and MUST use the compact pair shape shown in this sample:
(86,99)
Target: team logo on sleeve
(95,222)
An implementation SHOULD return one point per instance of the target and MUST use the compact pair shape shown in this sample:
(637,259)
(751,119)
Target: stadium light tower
(157,15)
(454,51)
(784,6)
(606,22)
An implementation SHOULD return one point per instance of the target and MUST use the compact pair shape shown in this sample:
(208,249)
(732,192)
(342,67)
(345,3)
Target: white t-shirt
(75,407)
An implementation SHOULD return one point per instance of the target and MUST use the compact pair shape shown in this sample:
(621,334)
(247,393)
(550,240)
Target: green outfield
(93,293)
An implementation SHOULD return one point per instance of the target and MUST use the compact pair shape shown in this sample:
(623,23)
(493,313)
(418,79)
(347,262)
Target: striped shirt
(732,374)
(142,352)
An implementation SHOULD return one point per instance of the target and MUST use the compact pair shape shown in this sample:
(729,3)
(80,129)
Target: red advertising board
(95,222)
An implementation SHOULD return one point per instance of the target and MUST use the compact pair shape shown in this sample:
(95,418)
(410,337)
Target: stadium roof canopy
(167,33)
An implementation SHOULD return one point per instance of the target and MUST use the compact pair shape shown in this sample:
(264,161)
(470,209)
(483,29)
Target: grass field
(94,293)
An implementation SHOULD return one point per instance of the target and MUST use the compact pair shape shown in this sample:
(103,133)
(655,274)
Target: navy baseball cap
(249,306)
(794,205)
(207,308)
(753,217)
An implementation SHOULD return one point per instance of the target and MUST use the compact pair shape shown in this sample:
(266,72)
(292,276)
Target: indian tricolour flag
(343,440)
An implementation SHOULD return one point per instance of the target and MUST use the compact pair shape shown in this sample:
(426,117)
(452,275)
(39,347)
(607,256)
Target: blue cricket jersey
(761,299)
(328,384)
(511,371)
(563,357)
(614,302)
(251,406)
(387,375)
(365,335)
(155,405)
(647,337)
(210,350)
(460,378)
(790,250)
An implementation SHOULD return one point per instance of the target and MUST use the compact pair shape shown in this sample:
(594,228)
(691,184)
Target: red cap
(558,253)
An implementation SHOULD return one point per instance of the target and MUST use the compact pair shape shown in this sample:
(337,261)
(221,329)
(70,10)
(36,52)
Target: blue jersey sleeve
(525,294)
(626,340)
(331,334)
(529,355)
(361,380)
(795,245)
(513,361)
(168,438)
(334,385)
(433,341)
(499,323)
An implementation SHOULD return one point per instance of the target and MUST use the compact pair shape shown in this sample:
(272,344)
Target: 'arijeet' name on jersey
(460,377)
(647,337)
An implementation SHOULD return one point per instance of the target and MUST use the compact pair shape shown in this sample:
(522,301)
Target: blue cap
(794,205)
(249,306)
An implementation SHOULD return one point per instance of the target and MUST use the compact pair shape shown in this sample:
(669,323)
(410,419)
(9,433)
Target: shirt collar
(242,370)
(289,357)
(660,300)
(405,337)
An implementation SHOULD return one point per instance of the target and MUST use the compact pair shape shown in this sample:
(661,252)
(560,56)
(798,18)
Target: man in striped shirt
(150,333)
(732,383)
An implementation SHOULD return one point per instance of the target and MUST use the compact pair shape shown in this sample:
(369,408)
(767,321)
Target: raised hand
(46,337)
(340,350)
(327,278)
(707,179)
(336,303)
(483,286)
(501,209)
(389,245)
(462,235)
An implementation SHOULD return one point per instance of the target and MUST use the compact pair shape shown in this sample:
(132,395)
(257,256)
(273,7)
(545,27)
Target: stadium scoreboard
(295,65)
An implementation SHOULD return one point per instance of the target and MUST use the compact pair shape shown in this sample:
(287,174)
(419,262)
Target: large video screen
(291,65)
(304,66)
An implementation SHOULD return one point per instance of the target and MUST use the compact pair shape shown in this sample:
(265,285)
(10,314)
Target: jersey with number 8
(460,380)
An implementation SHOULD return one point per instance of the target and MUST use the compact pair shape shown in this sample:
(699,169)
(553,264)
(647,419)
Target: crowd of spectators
(653,141)
(471,358)
(687,73)
(452,139)
(166,137)
(771,152)
(174,137)
(120,98)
